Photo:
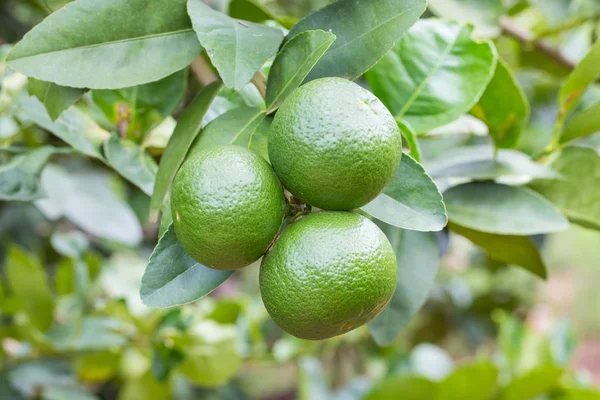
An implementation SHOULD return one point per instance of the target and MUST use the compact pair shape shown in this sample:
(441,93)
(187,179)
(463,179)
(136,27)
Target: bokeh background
(72,325)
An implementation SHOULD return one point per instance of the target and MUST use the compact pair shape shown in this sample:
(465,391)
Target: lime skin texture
(328,273)
(334,145)
(227,206)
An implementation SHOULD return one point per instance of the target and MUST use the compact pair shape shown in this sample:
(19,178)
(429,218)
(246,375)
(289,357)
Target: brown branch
(526,38)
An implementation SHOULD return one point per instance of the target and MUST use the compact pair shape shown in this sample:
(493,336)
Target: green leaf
(109,44)
(418,261)
(236,126)
(136,110)
(131,162)
(46,380)
(174,278)
(369,28)
(311,380)
(517,250)
(145,387)
(578,194)
(405,388)
(55,98)
(536,382)
(87,198)
(411,139)
(503,107)
(212,355)
(73,126)
(185,132)
(72,244)
(502,209)
(475,381)
(255,11)
(293,63)
(20,178)
(485,15)
(580,394)
(582,124)
(236,48)
(434,74)
(259,142)
(483,163)
(29,284)
(410,201)
(579,80)
(92,333)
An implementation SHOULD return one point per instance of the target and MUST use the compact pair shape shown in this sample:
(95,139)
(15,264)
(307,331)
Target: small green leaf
(174,278)
(578,194)
(259,142)
(475,381)
(185,132)
(580,394)
(579,80)
(434,74)
(73,126)
(410,201)
(539,381)
(517,250)
(72,244)
(369,28)
(483,163)
(136,110)
(92,333)
(212,355)
(55,98)
(131,162)
(236,126)
(293,63)
(405,388)
(410,136)
(145,387)
(582,124)
(104,45)
(485,15)
(29,284)
(503,107)
(418,261)
(253,10)
(311,380)
(236,48)
(502,209)
(20,178)
(88,199)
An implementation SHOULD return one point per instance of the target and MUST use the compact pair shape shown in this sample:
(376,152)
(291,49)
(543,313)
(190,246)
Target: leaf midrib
(302,66)
(426,217)
(109,43)
(429,75)
(371,30)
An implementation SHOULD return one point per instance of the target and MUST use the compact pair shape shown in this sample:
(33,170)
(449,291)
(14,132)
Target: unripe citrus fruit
(327,274)
(227,206)
(334,145)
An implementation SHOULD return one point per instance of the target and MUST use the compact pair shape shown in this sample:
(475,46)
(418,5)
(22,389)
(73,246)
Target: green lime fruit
(227,206)
(328,273)
(334,145)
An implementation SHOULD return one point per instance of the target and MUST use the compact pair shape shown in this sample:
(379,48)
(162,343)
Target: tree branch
(526,38)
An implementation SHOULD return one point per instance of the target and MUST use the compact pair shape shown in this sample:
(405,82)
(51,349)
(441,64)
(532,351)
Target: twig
(203,72)
(567,25)
(509,28)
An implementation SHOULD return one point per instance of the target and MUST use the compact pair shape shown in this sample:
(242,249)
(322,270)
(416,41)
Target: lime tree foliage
(345,140)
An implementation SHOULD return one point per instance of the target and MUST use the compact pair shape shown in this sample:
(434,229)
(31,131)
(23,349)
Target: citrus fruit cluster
(333,146)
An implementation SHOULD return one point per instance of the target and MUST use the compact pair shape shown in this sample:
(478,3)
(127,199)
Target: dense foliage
(101,102)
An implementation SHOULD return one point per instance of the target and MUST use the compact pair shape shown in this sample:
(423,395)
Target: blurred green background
(72,325)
